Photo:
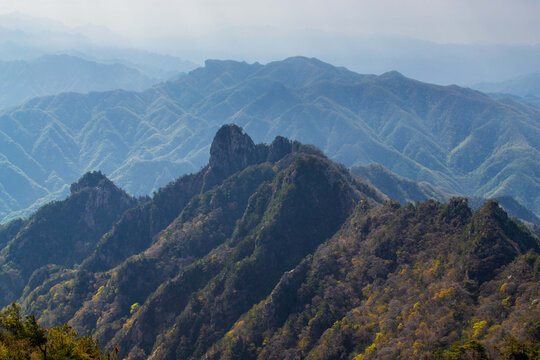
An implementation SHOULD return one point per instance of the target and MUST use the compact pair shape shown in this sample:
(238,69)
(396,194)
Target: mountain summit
(60,234)
(232,151)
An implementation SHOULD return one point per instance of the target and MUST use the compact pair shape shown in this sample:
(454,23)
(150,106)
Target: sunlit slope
(276,252)
(451,137)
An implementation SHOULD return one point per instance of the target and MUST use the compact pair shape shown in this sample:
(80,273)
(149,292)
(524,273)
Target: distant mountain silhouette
(524,88)
(53,74)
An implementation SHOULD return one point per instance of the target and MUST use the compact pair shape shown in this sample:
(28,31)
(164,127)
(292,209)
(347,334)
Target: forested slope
(276,252)
(452,137)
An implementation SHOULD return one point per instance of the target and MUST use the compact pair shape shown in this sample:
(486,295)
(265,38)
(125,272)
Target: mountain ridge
(61,233)
(53,74)
(275,251)
(525,88)
(451,137)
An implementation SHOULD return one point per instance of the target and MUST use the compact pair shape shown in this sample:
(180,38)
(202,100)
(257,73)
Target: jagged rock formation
(275,252)
(61,233)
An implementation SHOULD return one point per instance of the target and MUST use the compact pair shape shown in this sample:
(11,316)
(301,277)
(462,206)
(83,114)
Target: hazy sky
(458,21)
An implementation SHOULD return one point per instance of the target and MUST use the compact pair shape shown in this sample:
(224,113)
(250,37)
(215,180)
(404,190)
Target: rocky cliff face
(93,179)
(62,233)
(232,150)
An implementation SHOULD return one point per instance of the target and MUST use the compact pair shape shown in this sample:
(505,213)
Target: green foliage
(22,338)
(133,309)
(380,289)
(62,233)
(472,350)
(514,349)
(452,137)
(294,257)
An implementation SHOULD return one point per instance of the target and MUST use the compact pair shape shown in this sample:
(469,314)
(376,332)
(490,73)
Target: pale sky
(443,21)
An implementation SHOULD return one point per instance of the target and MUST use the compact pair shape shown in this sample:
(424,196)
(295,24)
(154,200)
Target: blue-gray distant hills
(455,138)
(525,88)
(21,80)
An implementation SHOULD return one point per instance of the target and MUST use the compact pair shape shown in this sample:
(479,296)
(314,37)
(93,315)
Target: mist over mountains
(438,63)
(455,138)
(27,38)
(53,74)
(525,88)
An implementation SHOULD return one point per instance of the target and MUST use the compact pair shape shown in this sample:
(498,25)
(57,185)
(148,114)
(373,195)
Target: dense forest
(269,252)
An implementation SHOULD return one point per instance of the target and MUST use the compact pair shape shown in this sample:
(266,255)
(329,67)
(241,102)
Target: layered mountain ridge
(454,138)
(276,252)
(525,88)
(404,191)
(52,74)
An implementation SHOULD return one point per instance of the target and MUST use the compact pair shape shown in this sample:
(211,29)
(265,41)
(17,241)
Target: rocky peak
(497,241)
(232,150)
(279,148)
(91,179)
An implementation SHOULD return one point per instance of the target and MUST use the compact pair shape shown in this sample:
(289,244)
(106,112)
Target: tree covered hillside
(454,138)
(276,252)
(22,339)
(427,281)
(60,234)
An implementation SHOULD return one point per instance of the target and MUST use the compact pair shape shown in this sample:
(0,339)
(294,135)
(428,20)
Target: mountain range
(276,252)
(23,37)
(404,191)
(454,138)
(525,88)
(52,74)
(26,38)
